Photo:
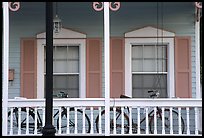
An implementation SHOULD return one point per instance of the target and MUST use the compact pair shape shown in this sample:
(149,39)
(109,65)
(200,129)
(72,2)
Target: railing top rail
(57,102)
(166,102)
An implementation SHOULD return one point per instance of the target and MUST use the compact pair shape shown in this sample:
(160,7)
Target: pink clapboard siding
(94,68)
(183,67)
(28,68)
(116,67)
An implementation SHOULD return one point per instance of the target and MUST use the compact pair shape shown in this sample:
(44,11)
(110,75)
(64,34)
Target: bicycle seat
(124,96)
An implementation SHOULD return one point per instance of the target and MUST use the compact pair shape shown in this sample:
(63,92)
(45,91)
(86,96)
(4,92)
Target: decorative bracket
(13,6)
(98,6)
(198,6)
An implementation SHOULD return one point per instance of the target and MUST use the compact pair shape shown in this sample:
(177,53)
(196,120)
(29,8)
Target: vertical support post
(5,67)
(197,60)
(48,129)
(107,67)
(197,57)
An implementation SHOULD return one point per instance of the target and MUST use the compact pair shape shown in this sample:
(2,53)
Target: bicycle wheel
(23,121)
(167,122)
(118,122)
(72,124)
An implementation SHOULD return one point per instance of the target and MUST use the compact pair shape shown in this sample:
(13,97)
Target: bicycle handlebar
(155,93)
(62,94)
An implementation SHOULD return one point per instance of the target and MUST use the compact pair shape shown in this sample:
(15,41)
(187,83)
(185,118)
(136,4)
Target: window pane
(162,65)
(149,58)
(137,51)
(73,66)
(161,51)
(137,81)
(148,81)
(73,85)
(143,82)
(66,59)
(69,84)
(136,65)
(59,66)
(139,93)
(73,59)
(73,52)
(149,65)
(60,52)
(149,52)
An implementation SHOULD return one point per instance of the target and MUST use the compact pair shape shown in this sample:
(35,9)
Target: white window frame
(149,35)
(63,73)
(72,39)
(150,72)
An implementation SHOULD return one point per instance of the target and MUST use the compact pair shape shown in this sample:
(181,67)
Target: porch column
(197,57)
(5,67)
(49,129)
(197,60)
(107,67)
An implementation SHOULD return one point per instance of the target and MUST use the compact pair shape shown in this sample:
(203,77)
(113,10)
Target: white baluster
(179,119)
(75,121)
(60,120)
(83,128)
(196,120)
(99,110)
(130,120)
(27,120)
(122,119)
(114,120)
(68,120)
(54,108)
(163,121)
(11,122)
(92,120)
(19,121)
(138,120)
(171,121)
(147,120)
(43,116)
(187,120)
(35,132)
(155,120)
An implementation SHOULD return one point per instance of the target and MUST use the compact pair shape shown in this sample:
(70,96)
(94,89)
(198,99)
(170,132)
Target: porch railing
(133,116)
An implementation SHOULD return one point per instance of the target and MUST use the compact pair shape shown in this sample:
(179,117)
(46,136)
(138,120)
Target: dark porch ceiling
(82,17)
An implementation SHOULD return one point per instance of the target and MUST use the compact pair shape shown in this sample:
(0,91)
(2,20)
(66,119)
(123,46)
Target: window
(149,69)
(142,43)
(69,67)
(65,70)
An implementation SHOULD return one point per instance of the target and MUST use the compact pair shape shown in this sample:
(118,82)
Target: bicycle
(134,124)
(39,125)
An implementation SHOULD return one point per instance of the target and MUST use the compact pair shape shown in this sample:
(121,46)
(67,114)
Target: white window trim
(82,64)
(149,36)
(65,37)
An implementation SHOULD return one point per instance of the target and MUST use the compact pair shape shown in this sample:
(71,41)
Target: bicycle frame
(151,114)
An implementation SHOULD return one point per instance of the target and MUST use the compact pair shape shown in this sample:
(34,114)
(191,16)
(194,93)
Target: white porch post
(107,67)
(197,60)
(5,67)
